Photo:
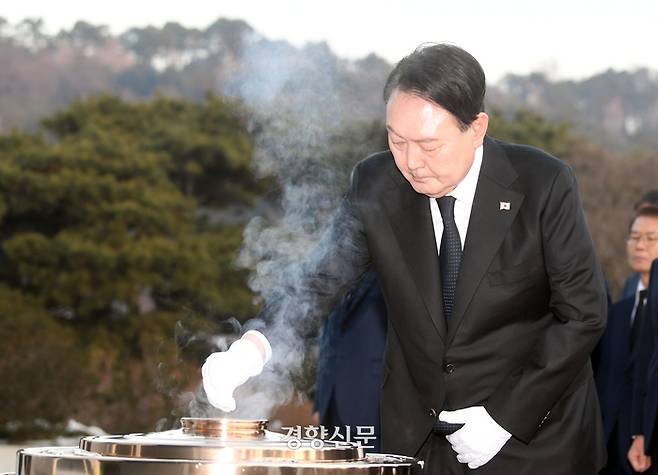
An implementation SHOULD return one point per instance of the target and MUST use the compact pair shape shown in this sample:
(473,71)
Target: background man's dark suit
(530,306)
(645,389)
(614,381)
(351,360)
(630,285)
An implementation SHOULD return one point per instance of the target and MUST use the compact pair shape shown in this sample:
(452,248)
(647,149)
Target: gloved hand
(479,440)
(224,371)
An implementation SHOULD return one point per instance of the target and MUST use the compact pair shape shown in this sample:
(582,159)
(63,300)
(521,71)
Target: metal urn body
(211,447)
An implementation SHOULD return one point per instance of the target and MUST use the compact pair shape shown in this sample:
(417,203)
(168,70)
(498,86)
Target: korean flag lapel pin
(504,206)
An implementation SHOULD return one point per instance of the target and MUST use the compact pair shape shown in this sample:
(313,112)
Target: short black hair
(647,210)
(650,198)
(443,74)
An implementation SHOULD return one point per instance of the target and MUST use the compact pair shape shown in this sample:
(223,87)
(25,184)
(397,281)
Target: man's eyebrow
(392,130)
(425,140)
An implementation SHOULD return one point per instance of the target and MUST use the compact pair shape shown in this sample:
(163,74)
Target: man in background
(350,365)
(620,347)
(650,198)
(643,454)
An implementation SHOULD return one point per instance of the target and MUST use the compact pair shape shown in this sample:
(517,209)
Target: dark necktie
(450,253)
(638,321)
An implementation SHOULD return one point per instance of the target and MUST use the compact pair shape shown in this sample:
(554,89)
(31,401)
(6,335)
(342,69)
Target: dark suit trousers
(562,458)
(439,457)
(618,446)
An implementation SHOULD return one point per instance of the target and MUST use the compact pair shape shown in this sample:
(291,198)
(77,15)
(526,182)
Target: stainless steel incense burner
(211,447)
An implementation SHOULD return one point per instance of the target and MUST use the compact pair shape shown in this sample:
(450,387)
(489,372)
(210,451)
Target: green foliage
(530,128)
(200,142)
(352,143)
(41,371)
(138,373)
(104,250)
(108,211)
(88,225)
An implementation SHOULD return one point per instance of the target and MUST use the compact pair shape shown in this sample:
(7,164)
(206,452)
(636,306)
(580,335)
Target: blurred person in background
(650,198)
(619,349)
(350,365)
(643,454)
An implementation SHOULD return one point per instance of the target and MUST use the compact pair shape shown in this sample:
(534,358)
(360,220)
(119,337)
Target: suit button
(449,368)
(433,413)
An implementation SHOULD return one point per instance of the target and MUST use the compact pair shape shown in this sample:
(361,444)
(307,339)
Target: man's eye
(430,149)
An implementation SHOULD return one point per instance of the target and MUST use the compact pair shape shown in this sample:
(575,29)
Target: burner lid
(228,440)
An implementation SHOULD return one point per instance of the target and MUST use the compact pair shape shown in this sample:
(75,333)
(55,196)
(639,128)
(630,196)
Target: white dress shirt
(464,193)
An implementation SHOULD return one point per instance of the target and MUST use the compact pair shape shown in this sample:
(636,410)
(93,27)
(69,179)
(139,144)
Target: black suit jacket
(614,377)
(530,306)
(614,382)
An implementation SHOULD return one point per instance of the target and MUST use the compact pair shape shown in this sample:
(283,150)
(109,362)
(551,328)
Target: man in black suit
(494,294)
(620,347)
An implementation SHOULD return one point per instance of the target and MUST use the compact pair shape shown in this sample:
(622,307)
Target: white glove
(479,440)
(224,371)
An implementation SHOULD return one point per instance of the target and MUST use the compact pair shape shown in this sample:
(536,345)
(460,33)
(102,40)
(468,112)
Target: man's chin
(425,189)
(429,186)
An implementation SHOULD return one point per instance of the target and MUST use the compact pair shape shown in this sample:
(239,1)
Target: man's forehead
(647,224)
(414,118)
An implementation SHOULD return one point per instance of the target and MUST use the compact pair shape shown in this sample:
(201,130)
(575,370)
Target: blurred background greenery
(126,182)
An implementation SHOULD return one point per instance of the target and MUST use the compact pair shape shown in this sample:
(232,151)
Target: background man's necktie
(450,253)
(638,321)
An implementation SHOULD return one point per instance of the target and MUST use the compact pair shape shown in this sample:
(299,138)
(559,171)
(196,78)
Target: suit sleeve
(640,374)
(643,377)
(577,310)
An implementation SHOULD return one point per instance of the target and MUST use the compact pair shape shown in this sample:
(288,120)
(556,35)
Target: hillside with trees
(42,73)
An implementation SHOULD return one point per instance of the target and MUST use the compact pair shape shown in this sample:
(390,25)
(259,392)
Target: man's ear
(479,128)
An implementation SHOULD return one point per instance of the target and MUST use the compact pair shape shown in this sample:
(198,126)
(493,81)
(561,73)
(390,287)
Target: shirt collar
(640,286)
(465,190)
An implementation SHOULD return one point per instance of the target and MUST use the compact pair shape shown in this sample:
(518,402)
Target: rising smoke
(294,135)
(295,106)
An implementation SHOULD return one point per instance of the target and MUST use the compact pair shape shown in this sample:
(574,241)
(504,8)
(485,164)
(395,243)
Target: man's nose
(414,160)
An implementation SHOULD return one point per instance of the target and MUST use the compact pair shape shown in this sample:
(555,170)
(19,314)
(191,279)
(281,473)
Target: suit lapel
(488,225)
(411,221)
